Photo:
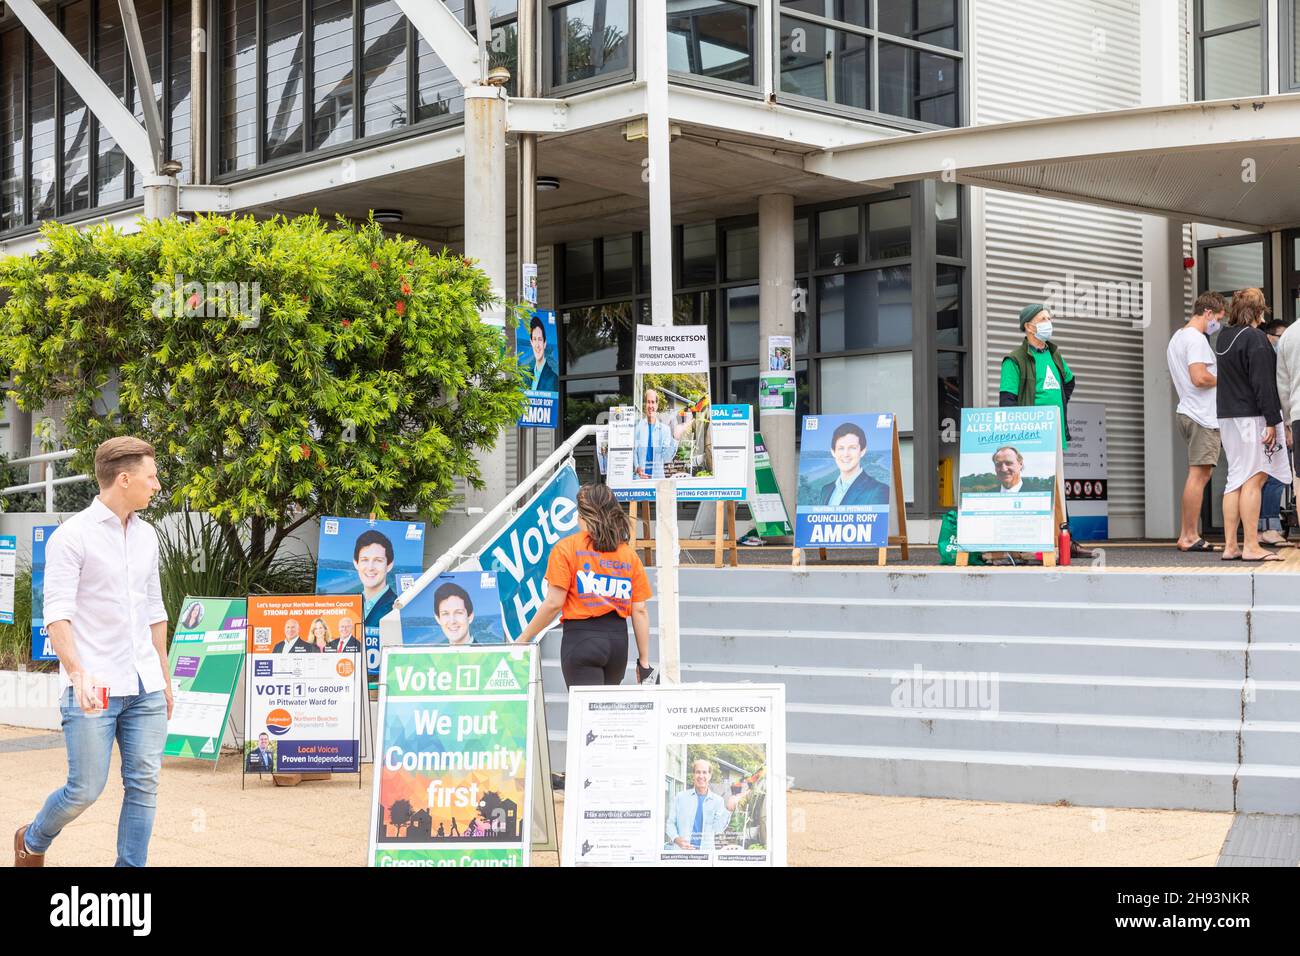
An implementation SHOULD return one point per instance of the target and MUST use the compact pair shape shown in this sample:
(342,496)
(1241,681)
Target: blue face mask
(1044,331)
(1213,326)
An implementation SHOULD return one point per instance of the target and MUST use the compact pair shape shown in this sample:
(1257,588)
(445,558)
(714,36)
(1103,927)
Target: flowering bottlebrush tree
(283,368)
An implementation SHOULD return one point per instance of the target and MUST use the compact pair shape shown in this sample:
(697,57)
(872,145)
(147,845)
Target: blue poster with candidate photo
(537,347)
(845,476)
(376,559)
(41,649)
(1007,479)
(458,608)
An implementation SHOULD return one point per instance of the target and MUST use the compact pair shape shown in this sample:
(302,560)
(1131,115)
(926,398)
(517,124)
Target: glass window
(801,321)
(284,79)
(334,89)
(1293,55)
(947,297)
(13,74)
(42,77)
(503,50)
(1226,13)
(905,458)
(742,322)
(742,253)
(1238,266)
(178,89)
(438,93)
(711,38)
(699,253)
(929,21)
(76,118)
(825,64)
(589,39)
(952,391)
(585,399)
(857,12)
(383,67)
(600,338)
(869,383)
(837,237)
(947,219)
(801,244)
(239,85)
(617,266)
(110,64)
(865,310)
(889,229)
(918,85)
(580,270)
(1232,64)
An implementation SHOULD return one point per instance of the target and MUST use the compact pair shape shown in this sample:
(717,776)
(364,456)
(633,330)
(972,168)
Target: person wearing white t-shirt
(1193,370)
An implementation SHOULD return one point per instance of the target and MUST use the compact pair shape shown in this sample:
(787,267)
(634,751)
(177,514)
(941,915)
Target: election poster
(304,684)
(1009,462)
(458,607)
(375,559)
(455,736)
(41,649)
(776,386)
(765,502)
(1086,473)
(731,438)
(520,551)
(8,570)
(204,663)
(537,347)
(845,480)
(675,775)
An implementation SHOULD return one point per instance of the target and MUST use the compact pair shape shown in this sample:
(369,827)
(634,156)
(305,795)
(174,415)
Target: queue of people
(1230,398)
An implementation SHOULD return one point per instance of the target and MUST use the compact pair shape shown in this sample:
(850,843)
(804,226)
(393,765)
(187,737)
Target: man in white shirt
(1193,370)
(656,441)
(107,624)
(1008,463)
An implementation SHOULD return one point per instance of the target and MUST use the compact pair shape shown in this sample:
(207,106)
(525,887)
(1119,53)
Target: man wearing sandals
(1193,371)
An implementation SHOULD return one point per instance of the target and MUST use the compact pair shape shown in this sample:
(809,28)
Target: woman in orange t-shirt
(596,580)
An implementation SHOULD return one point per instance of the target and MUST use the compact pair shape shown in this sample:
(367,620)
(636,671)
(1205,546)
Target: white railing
(49,482)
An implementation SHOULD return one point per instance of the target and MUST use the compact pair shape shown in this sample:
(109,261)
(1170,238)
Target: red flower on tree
(374,265)
(401,307)
(306,450)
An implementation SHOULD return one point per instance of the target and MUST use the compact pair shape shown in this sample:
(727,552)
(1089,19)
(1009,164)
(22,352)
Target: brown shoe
(24,856)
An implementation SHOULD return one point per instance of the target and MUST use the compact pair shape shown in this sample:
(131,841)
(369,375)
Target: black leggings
(594,650)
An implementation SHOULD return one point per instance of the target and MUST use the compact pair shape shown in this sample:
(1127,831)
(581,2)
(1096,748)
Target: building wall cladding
(1060,57)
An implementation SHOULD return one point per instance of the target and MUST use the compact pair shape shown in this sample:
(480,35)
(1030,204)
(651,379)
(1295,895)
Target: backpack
(948,542)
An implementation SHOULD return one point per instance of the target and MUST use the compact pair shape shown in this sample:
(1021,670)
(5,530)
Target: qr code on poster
(331,526)
(261,635)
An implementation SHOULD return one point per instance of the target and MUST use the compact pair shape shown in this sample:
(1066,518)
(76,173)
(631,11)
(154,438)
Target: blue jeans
(1270,505)
(139,723)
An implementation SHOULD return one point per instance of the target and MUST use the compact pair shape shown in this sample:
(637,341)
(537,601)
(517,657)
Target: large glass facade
(1230,56)
(868,333)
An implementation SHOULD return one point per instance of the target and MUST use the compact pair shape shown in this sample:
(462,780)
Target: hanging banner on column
(304,694)
(204,662)
(519,553)
(375,559)
(776,385)
(845,475)
(765,502)
(675,775)
(455,736)
(1009,464)
(537,347)
(459,607)
(41,648)
(8,570)
(529,274)
(1086,473)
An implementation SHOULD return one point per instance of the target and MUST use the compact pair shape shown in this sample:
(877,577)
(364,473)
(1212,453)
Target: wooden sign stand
(723,541)
(1058,512)
(897,507)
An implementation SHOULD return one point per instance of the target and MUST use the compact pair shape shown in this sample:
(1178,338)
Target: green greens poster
(771,520)
(204,663)
(452,784)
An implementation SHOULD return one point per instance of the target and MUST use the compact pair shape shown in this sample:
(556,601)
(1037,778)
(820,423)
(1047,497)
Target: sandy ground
(204,819)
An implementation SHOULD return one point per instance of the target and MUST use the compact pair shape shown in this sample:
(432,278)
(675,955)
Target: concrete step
(1268,788)
(1274,624)
(1275,661)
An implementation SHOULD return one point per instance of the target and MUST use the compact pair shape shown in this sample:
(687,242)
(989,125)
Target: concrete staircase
(1114,688)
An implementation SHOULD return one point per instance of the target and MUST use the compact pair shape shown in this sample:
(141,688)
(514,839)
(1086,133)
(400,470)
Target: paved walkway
(204,819)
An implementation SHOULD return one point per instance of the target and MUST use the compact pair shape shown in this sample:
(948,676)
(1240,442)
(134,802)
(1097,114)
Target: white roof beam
(107,108)
(444,32)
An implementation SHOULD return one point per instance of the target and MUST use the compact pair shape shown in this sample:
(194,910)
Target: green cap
(1028,312)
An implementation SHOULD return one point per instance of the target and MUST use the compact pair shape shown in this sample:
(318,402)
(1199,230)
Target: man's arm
(1200,375)
(1009,385)
(158,630)
(1284,380)
(63,560)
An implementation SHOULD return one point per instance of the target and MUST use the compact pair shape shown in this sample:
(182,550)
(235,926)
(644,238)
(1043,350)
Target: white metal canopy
(1234,163)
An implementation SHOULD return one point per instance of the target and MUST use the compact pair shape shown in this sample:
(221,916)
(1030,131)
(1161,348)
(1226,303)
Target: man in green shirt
(1036,374)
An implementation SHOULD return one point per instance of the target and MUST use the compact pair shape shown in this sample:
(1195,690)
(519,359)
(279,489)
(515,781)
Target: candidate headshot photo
(698,814)
(346,642)
(454,610)
(851,485)
(192,615)
(656,438)
(372,556)
(1009,466)
(294,642)
(540,371)
(261,756)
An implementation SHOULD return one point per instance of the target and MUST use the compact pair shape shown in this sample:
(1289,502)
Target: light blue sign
(536,345)
(8,566)
(1010,458)
(520,552)
(41,649)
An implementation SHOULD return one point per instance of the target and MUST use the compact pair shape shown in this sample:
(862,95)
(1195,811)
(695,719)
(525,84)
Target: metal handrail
(49,482)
